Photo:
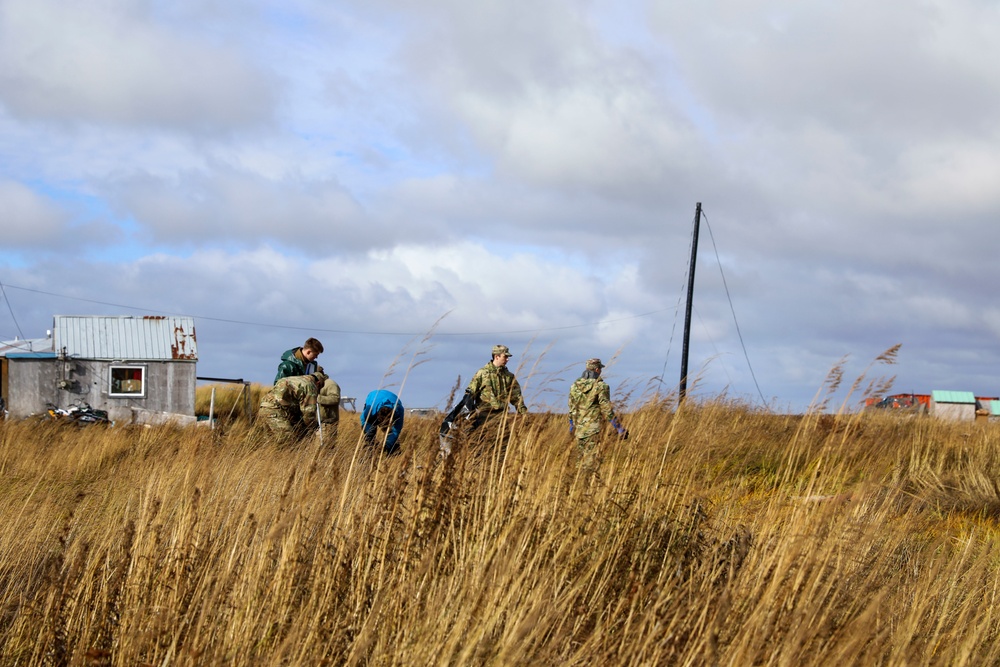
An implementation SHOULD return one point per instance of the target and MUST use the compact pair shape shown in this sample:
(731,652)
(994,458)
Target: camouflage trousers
(482,432)
(279,422)
(331,423)
(587,438)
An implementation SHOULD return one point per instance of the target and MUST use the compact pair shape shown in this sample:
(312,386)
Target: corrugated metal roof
(940,396)
(126,338)
(10,347)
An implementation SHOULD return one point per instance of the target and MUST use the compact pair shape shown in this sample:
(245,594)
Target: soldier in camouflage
(289,408)
(589,402)
(493,388)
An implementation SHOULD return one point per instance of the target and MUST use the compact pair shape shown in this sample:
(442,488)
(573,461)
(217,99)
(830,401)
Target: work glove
(445,428)
(622,431)
(571,426)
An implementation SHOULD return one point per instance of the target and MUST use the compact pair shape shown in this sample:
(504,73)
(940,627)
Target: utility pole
(687,310)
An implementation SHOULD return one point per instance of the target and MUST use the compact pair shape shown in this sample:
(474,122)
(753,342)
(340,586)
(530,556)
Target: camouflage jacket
(295,397)
(589,400)
(329,402)
(493,387)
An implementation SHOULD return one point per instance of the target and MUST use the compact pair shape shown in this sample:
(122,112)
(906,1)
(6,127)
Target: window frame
(144,379)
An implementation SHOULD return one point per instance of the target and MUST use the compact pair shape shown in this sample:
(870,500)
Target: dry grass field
(716,535)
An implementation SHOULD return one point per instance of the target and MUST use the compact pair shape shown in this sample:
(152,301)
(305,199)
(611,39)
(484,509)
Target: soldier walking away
(487,399)
(383,410)
(289,408)
(589,402)
(300,360)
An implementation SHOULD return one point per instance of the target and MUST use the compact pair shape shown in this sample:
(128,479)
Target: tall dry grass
(717,534)
(229,402)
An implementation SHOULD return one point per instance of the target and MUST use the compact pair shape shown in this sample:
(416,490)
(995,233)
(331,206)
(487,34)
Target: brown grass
(716,534)
(231,400)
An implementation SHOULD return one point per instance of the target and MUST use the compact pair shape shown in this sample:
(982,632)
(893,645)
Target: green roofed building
(953,405)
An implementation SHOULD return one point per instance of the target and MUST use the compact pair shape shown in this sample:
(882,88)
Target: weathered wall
(32,383)
(954,411)
(30,386)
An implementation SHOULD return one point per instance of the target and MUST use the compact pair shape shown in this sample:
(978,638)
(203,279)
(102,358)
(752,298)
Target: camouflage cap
(501,349)
(320,377)
(594,364)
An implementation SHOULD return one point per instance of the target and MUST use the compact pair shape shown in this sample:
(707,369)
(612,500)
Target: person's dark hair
(384,416)
(314,345)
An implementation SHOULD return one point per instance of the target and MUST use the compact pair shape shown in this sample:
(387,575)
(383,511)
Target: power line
(342,331)
(739,334)
(11,309)
(677,310)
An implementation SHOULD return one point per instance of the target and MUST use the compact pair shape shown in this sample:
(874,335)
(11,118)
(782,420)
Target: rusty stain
(179,349)
(154,317)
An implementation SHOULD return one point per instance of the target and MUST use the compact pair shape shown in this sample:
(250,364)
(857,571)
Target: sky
(412,183)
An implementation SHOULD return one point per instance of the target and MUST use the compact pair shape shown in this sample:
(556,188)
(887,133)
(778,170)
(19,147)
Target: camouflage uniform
(290,407)
(589,401)
(485,402)
(494,387)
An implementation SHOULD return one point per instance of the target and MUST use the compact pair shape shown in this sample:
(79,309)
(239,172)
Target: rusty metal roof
(126,338)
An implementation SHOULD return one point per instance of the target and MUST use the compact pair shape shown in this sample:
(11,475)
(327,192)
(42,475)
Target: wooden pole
(687,310)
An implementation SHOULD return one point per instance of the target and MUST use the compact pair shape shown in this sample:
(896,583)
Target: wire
(4,292)
(677,308)
(346,331)
(733,310)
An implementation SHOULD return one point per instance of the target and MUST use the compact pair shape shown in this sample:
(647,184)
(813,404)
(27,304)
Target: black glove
(445,427)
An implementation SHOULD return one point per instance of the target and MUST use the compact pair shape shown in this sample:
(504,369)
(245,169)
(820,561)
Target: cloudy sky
(414,182)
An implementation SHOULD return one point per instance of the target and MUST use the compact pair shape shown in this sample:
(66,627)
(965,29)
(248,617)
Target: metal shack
(139,369)
(953,405)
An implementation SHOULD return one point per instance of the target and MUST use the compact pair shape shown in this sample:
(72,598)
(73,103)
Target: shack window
(128,381)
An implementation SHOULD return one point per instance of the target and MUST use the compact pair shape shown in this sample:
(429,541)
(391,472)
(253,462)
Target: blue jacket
(375,401)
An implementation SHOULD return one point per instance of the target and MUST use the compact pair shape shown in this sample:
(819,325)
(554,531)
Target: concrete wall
(32,383)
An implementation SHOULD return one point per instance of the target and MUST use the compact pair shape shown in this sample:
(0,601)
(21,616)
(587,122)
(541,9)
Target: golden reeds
(717,534)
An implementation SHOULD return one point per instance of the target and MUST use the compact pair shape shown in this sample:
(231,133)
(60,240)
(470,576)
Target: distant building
(953,405)
(139,369)
(913,402)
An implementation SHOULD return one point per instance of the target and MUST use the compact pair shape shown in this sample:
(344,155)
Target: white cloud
(28,219)
(227,206)
(360,169)
(111,62)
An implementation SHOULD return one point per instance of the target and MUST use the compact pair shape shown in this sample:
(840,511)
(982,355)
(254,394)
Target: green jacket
(293,364)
